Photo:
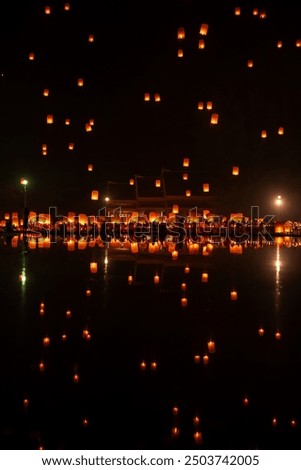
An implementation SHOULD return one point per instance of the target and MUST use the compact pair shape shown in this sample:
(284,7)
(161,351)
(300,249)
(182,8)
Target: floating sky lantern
(250,64)
(186,162)
(175,209)
(280,130)
(93,267)
(156,279)
(264,134)
(181,33)
(154,365)
(75,378)
(31,56)
(188,193)
(233,295)
(211,346)
(47,10)
(237,11)
(180,53)
(132,182)
(46,92)
(274,421)
(235,170)
(130,280)
(88,293)
(67,7)
(255,12)
(209,105)
(71,146)
(278,335)
(206,187)
(175,255)
(91,38)
(134,247)
(94,195)
(204,29)
(142,365)
(157,97)
(298,43)
(205,359)
(49,119)
(146,97)
(198,437)
(201,44)
(200,105)
(279,44)
(175,411)
(68,313)
(262,14)
(46,341)
(80,82)
(246,401)
(261,331)
(41,366)
(185,176)
(183,286)
(204,277)
(85,422)
(88,127)
(90,167)
(184,302)
(67,122)
(158,183)
(214,119)
(175,432)
(187,270)
(197,359)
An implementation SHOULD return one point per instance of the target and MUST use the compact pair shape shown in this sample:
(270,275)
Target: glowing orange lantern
(47,10)
(255,12)
(93,267)
(85,422)
(175,432)
(298,43)
(186,162)
(46,341)
(80,82)
(91,38)
(264,134)
(274,421)
(246,401)
(280,130)
(209,105)
(200,105)
(132,182)
(205,277)
(142,365)
(75,378)
(235,170)
(68,314)
(204,29)
(185,176)
(261,331)
(25,402)
(46,92)
(278,335)
(49,119)
(237,11)
(206,359)
(67,7)
(197,359)
(134,247)
(279,44)
(180,53)
(90,167)
(158,183)
(188,193)
(184,302)
(88,293)
(156,279)
(181,33)
(201,44)
(175,209)
(206,187)
(250,63)
(262,14)
(146,97)
(175,411)
(157,97)
(198,437)
(153,366)
(94,195)
(214,119)
(211,347)
(31,56)
(71,146)
(233,295)
(88,127)
(187,270)
(41,366)
(175,255)
(130,280)
(183,286)
(67,122)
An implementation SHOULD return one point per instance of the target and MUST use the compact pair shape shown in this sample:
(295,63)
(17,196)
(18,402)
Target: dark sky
(135,51)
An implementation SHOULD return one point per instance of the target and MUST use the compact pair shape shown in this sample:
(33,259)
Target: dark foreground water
(130,408)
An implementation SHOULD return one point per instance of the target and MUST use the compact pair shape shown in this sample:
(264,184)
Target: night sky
(134,52)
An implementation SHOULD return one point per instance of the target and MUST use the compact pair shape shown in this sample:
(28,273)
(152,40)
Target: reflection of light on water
(277,265)
(277,279)
(22,277)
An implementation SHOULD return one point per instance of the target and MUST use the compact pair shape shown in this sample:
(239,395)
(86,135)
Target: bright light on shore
(24,181)
(278,200)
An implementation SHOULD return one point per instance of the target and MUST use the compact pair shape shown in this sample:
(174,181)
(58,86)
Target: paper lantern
(274,421)
(237,11)
(154,366)
(211,347)
(187,270)
(181,33)
(246,401)
(209,105)
(156,279)
(46,341)
(142,365)
(90,167)
(130,280)
(206,187)
(132,182)
(196,420)
(88,293)
(75,378)
(71,245)
(180,53)
(186,162)
(46,92)
(68,314)
(264,134)
(250,64)
(187,193)
(255,12)
(88,127)
(236,249)
(298,43)
(158,183)
(41,366)
(175,255)
(204,277)
(67,7)
(175,432)
(201,44)
(134,247)
(206,359)
(157,97)
(94,195)
(198,437)
(25,402)
(80,82)
(278,335)
(67,122)
(91,38)
(146,97)
(280,130)
(185,176)
(82,244)
(262,14)
(47,10)
(200,105)
(31,56)
(197,359)
(49,119)
(279,44)
(183,286)
(175,411)
(261,331)
(293,423)
(204,29)
(214,119)
(93,267)
(153,248)
(184,302)
(235,170)
(175,209)
(71,146)
(233,295)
